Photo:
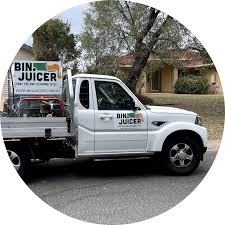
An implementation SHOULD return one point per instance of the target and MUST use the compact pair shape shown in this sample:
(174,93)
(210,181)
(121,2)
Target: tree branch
(160,30)
(155,36)
(130,20)
(151,20)
(130,13)
(121,10)
(171,41)
(125,39)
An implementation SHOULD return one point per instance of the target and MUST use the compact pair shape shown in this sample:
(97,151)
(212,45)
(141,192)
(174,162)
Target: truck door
(118,127)
(84,114)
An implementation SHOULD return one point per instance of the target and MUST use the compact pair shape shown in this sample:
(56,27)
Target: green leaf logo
(40,66)
(131,115)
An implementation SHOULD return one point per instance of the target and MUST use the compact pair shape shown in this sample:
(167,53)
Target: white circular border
(18,20)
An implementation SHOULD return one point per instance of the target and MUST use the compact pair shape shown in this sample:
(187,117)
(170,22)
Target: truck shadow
(88,168)
(70,169)
(122,167)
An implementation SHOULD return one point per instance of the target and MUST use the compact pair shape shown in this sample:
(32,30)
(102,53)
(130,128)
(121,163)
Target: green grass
(209,107)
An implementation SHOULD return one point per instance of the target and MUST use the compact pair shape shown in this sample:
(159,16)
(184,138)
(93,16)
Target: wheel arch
(189,133)
(21,159)
(22,145)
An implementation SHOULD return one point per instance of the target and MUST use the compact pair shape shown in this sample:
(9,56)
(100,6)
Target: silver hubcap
(181,155)
(15,159)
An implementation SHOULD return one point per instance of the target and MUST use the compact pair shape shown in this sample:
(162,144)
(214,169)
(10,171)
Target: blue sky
(74,16)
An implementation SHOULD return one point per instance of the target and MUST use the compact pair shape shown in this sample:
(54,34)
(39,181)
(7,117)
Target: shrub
(191,84)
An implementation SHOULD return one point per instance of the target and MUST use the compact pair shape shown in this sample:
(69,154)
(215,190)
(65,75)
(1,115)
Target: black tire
(181,155)
(20,158)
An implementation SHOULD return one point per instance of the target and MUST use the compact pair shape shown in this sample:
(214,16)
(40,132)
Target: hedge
(191,84)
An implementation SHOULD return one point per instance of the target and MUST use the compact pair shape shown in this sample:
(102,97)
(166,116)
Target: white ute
(104,119)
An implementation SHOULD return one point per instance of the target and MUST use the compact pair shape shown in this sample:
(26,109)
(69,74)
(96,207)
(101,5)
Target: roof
(192,59)
(97,76)
(26,47)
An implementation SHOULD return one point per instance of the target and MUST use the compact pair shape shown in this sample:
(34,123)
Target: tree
(53,41)
(115,27)
(99,53)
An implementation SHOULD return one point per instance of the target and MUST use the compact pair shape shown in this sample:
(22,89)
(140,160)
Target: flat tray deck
(29,127)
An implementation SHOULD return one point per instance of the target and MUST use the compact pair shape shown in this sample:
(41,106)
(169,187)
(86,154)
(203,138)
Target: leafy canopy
(116,27)
(54,41)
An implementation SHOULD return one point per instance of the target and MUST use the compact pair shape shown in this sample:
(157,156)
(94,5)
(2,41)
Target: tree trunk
(140,60)
(143,50)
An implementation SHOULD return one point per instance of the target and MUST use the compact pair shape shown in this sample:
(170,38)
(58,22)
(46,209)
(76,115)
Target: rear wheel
(181,155)
(20,158)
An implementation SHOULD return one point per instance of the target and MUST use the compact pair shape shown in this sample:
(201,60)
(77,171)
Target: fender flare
(157,138)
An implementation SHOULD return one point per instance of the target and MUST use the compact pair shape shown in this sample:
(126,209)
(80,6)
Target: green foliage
(105,65)
(53,41)
(145,100)
(113,28)
(191,85)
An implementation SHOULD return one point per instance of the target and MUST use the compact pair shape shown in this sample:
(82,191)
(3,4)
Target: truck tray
(30,127)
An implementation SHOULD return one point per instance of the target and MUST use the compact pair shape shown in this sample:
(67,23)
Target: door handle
(102,117)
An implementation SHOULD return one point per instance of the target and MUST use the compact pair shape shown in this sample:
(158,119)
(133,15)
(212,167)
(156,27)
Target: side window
(111,96)
(84,94)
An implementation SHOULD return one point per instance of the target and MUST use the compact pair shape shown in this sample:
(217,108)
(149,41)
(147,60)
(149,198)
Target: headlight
(198,121)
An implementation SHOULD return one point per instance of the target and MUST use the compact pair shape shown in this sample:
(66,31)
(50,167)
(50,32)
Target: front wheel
(181,155)
(20,158)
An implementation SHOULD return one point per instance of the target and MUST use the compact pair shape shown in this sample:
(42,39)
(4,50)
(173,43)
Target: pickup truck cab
(104,119)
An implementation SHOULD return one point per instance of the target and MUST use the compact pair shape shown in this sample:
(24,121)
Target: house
(24,53)
(160,75)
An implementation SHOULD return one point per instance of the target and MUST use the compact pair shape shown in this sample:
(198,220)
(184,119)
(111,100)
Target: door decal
(128,120)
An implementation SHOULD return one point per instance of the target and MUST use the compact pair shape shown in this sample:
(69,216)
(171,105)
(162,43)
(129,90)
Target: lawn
(209,107)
